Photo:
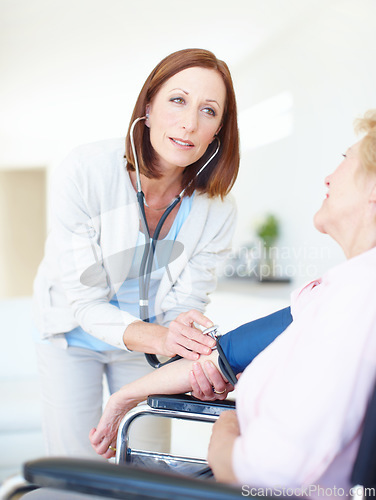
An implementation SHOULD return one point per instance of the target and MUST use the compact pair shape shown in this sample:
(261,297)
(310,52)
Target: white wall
(71,70)
(324,64)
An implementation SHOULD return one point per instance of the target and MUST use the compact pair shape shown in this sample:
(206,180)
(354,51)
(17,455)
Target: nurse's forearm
(181,337)
(145,337)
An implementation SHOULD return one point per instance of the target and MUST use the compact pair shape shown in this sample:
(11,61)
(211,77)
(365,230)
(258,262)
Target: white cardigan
(89,250)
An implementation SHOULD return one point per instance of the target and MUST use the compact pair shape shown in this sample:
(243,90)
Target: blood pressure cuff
(242,345)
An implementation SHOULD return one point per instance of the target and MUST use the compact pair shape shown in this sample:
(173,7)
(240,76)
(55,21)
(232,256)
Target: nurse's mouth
(180,142)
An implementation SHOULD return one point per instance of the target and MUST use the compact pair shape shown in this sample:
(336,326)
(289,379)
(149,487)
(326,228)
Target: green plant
(268,230)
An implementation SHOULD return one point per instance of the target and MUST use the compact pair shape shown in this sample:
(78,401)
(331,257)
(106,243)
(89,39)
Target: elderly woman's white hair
(367,149)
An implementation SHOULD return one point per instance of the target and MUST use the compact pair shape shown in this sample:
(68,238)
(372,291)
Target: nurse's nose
(189,120)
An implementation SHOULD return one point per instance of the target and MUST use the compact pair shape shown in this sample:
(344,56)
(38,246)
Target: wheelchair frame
(180,407)
(125,481)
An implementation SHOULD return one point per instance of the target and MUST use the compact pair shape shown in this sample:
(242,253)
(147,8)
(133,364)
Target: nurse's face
(185,115)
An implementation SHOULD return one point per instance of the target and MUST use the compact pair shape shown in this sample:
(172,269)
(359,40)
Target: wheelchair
(148,476)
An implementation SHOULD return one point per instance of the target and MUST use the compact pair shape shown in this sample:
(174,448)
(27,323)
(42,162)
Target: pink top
(301,402)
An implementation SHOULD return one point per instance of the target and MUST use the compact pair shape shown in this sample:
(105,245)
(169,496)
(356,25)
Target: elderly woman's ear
(372,202)
(372,195)
(372,198)
(372,208)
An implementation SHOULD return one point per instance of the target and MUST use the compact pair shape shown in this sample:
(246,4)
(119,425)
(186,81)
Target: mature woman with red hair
(87,287)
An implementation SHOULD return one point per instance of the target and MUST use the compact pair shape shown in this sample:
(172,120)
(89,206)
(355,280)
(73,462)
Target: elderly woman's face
(347,199)
(185,115)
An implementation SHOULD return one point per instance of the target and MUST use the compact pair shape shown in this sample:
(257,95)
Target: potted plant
(268,232)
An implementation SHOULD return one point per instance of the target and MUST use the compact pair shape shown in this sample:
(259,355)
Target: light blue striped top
(127,297)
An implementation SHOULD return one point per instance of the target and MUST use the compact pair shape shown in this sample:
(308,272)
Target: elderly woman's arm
(240,347)
(225,431)
(173,378)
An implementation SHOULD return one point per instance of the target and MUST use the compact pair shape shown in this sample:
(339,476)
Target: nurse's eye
(178,100)
(209,111)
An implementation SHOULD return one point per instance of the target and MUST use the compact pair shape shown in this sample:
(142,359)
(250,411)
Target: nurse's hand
(184,339)
(208,383)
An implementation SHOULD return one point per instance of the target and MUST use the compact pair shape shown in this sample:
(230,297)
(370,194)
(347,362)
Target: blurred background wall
(71,70)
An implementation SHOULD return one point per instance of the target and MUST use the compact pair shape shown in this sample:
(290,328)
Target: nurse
(87,287)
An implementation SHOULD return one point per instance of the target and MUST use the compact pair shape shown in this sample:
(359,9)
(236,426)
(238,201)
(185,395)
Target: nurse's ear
(147,113)
(215,135)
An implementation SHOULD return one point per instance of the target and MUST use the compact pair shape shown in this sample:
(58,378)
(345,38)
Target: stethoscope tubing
(146,268)
(147,260)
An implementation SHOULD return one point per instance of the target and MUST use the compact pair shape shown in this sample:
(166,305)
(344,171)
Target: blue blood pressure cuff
(240,346)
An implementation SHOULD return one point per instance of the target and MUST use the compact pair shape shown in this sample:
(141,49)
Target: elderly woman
(301,402)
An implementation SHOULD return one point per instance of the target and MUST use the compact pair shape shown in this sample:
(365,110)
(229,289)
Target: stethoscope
(151,241)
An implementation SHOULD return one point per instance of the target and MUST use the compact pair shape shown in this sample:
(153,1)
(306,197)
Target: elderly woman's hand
(208,383)
(184,339)
(103,438)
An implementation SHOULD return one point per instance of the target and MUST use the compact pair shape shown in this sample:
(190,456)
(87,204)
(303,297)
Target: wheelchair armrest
(94,477)
(189,404)
(180,406)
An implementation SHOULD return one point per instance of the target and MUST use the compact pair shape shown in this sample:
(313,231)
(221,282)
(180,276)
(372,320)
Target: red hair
(219,176)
